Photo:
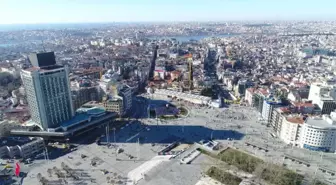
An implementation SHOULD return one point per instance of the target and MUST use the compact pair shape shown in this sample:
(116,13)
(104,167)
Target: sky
(89,11)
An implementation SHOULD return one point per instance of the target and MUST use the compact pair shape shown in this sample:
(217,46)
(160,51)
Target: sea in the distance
(20,27)
(181,38)
(178,38)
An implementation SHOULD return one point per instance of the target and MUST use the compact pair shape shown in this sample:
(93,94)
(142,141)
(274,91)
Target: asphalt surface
(141,141)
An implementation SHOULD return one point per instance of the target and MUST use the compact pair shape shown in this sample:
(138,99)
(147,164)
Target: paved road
(201,124)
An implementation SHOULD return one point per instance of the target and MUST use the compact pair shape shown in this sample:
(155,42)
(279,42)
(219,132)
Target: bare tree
(63,165)
(49,171)
(39,176)
(43,181)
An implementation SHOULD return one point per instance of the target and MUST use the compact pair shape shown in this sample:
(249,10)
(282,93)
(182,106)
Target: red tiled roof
(300,84)
(285,109)
(302,104)
(251,90)
(263,91)
(298,120)
(176,72)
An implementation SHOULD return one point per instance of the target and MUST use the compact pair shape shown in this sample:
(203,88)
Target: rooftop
(95,111)
(83,115)
(303,104)
(78,118)
(251,90)
(326,98)
(284,109)
(273,100)
(263,91)
(296,119)
(43,69)
(319,122)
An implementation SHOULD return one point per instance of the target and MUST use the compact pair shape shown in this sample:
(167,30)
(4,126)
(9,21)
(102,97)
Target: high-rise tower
(48,91)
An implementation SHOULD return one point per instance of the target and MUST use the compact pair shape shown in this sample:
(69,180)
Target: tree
(39,176)
(10,86)
(108,179)
(63,165)
(49,171)
(5,78)
(8,82)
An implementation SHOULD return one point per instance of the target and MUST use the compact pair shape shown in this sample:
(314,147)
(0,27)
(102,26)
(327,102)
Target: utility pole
(114,136)
(138,149)
(107,134)
(46,157)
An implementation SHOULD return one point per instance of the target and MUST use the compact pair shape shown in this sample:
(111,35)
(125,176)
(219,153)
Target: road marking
(129,139)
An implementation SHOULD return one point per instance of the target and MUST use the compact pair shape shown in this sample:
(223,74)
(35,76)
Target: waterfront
(182,38)
(179,38)
(3,45)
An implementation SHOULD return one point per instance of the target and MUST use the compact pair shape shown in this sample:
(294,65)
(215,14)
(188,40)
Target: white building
(249,95)
(24,151)
(48,91)
(324,95)
(326,103)
(315,92)
(291,129)
(269,105)
(318,134)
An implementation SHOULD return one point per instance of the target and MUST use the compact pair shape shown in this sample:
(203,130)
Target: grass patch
(271,173)
(223,177)
(239,159)
(317,182)
(278,175)
(183,111)
(168,117)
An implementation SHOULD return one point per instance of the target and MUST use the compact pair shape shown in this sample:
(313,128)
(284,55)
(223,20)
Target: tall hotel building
(48,91)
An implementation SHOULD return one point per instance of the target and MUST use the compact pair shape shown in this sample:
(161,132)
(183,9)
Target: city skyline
(89,11)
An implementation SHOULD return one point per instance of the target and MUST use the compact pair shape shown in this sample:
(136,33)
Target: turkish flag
(17,169)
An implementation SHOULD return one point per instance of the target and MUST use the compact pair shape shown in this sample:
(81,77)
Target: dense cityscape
(192,103)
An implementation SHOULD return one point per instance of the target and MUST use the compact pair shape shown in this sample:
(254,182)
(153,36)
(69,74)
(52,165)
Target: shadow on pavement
(165,134)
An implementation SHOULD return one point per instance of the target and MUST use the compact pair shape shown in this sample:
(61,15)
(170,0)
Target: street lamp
(114,129)
(107,134)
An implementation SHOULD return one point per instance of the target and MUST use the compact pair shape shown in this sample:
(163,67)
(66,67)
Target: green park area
(271,173)
(223,177)
(239,159)
(183,111)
